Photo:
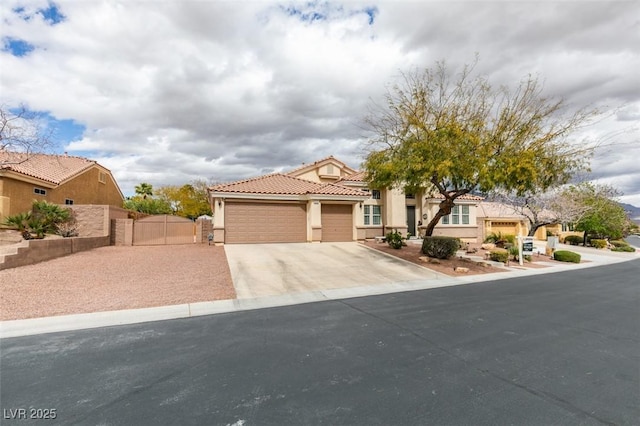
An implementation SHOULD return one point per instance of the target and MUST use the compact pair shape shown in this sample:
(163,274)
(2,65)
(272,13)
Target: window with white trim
(375,194)
(39,191)
(372,215)
(459,215)
(68,201)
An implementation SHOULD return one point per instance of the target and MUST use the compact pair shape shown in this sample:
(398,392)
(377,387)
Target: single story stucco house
(328,201)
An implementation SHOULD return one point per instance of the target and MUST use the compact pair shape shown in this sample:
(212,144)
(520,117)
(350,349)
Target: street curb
(27,327)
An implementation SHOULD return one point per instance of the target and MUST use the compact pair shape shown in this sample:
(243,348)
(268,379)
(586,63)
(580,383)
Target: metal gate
(163,230)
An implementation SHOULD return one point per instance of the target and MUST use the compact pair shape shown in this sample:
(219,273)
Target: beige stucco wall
(314,221)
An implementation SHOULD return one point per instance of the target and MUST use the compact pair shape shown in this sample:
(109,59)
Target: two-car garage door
(283,222)
(265,222)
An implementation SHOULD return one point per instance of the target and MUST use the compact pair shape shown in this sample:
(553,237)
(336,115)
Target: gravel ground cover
(413,253)
(114,278)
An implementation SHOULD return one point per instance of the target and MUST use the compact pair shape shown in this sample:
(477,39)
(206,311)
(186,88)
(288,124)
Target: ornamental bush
(394,239)
(599,244)
(619,243)
(440,247)
(566,256)
(573,240)
(499,255)
(628,249)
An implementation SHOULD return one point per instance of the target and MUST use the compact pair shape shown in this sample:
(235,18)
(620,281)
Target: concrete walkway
(591,258)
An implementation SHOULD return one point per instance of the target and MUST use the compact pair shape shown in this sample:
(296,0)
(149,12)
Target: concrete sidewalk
(591,258)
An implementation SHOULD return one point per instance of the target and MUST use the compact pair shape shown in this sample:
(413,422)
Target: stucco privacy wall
(95,220)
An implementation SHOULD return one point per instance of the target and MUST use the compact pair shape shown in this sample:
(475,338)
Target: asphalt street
(555,349)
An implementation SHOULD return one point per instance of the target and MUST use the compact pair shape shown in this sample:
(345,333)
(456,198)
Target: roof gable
(317,165)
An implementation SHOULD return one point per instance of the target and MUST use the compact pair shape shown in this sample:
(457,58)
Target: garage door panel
(265,223)
(337,222)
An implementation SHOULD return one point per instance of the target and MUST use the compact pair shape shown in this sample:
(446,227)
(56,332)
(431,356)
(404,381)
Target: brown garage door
(265,223)
(337,222)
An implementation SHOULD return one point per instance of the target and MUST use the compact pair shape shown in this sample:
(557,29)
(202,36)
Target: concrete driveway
(261,270)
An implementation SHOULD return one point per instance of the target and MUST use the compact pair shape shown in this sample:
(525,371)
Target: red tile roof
(50,168)
(356,177)
(279,184)
(469,197)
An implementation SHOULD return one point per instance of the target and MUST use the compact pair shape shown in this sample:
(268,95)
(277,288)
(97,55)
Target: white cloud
(171,91)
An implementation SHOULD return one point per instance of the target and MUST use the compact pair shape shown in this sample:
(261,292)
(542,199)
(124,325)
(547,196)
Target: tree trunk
(445,208)
(533,229)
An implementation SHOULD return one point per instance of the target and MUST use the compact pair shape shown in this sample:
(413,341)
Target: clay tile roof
(50,168)
(470,197)
(333,189)
(279,184)
(356,177)
(276,183)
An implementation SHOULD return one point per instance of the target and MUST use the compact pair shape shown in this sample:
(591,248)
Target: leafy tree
(190,200)
(147,205)
(144,202)
(605,217)
(454,136)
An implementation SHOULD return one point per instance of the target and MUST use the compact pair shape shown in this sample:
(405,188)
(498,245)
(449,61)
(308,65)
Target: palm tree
(144,189)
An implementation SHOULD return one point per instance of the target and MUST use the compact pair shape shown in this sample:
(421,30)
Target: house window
(567,227)
(102,177)
(465,215)
(375,194)
(68,201)
(372,215)
(459,214)
(39,191)
(410,196)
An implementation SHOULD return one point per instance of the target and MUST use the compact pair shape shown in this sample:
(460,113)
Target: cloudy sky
(169,91)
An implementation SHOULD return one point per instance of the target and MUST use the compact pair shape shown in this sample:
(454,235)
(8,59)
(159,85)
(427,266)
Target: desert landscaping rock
(114,278)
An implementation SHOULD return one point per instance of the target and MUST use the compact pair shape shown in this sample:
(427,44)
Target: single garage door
(265,223)
(337,222)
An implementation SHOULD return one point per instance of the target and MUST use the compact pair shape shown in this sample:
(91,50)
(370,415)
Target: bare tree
(22,132)
(548,208)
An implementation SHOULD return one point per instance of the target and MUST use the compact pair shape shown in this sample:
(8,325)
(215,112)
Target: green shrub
(18,221)
(573,240)
(394,239)
(599,244)
(499,255)
(619,243)
(566,256)
(440,247)
(627,249)
(500,239)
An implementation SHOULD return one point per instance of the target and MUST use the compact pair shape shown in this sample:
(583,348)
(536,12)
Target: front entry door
(411,219)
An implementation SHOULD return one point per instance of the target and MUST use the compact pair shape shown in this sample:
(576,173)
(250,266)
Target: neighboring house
(328,201)
(58,179)
(494,217)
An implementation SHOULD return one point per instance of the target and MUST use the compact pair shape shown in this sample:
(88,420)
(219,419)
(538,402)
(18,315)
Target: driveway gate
(162,230)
